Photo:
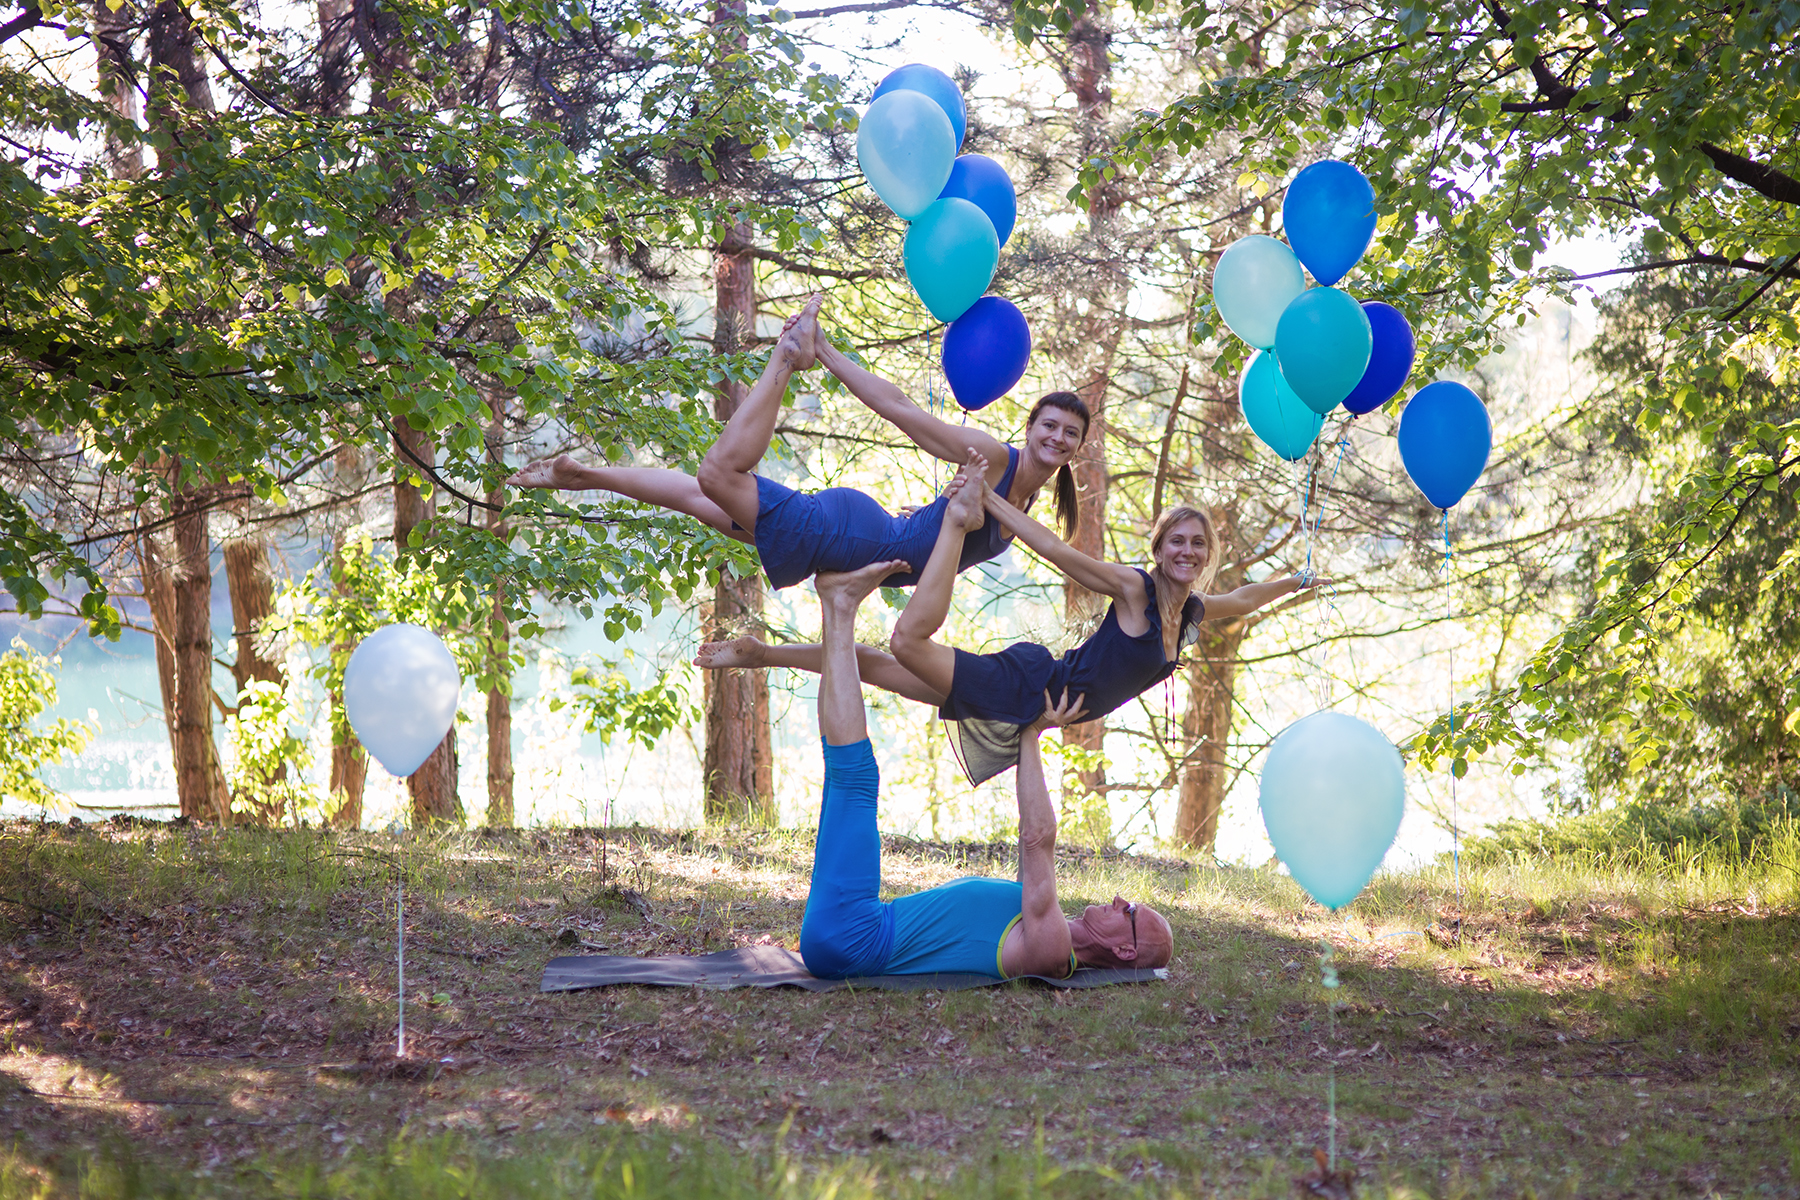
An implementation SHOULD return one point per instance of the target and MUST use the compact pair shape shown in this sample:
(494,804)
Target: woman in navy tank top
(798,534)
(989,699)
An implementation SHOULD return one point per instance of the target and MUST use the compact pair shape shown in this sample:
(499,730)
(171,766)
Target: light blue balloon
(1323,341)
(400,692)
(1333,792)
(951,252)
(1273,412)
(1256,279)
(906,147)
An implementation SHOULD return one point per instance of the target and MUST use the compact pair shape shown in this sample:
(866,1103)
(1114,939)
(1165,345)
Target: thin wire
(1455,820)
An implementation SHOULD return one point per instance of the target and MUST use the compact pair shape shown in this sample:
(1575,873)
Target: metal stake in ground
(400,961)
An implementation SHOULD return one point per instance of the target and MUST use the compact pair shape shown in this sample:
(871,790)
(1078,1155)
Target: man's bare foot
(745,651)
(796,347)
(559,472)
(851,588)
(965,511)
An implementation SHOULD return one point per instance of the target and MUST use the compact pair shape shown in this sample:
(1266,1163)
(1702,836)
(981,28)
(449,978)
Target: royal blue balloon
(1333,793)
(951,251)
(1445,437)
(985,351)
(1329,217)
(1274,413)
(984,183)
(1323,343)
(906,148)
(1390,359)
(917,77)
(1256,279)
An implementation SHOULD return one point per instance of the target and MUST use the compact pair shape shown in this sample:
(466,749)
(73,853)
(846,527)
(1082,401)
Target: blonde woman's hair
(1170,518)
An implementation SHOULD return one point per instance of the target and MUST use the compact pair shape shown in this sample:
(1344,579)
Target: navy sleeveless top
(799,534)
(993,696)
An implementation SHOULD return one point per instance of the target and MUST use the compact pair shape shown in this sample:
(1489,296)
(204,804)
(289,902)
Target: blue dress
(799,534)
(994,696)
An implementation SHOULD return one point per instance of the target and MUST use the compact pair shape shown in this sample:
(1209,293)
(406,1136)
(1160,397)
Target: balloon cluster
(1317,348)
(961,210)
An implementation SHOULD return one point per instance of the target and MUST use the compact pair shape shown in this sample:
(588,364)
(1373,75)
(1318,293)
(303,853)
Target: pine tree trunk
(113,35)
(336,72)
(1088,76)
(499,698)
(433,785)
(251,585)
(1206,731)
(739,755)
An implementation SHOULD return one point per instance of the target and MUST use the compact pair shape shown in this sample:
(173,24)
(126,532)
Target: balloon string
(1455,821)
(400,924)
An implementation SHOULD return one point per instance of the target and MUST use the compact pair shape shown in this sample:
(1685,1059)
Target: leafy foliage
(1647,835)
(267,755)
(27,689)
(608,704)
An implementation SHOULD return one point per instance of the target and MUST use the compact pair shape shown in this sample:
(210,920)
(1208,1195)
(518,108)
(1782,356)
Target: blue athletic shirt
(957,928)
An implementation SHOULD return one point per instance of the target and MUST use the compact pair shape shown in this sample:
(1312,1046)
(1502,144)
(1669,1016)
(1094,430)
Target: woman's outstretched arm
(935,436)
(1242,601)
(1109,579)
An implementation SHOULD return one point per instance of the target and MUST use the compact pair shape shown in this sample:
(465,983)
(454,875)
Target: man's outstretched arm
(1044,945)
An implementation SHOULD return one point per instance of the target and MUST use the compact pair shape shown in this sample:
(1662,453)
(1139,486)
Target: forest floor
(195,1012)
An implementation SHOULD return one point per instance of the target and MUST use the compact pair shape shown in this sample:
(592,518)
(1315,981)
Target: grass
(196,1012)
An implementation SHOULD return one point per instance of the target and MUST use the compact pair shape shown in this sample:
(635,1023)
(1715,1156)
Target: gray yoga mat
(777,966)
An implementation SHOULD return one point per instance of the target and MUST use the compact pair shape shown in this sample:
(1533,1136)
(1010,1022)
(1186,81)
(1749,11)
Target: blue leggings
(847,931)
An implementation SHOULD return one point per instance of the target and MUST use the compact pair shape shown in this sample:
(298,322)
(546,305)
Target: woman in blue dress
(798,534)
(988,700)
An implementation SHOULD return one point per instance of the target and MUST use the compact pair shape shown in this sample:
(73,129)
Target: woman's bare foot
(560,472)
(850,588)
(745,651)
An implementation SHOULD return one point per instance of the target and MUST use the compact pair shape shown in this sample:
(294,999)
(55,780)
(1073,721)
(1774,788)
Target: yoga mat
(777,966)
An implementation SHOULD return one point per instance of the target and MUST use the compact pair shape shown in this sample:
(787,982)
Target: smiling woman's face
(1183,552)
(1054,436)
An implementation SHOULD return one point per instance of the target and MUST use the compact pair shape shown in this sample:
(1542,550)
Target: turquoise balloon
(906,147)
(1323,341)
(951,252)
(1256,279)
(1274,413)
(1333,792)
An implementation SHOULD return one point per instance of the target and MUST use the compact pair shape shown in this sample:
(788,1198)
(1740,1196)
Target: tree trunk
(1206,731)
(337,75)
(1088,76)
(499,697)
(175,63)
(739,756)
(198,778)
(118,79)
(251,585)
(433,785)
(159,594)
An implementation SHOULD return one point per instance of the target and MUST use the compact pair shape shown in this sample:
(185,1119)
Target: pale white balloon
(400,693)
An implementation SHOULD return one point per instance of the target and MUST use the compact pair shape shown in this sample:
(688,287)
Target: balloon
(985,351)
(984,183)
(1323,341)
(1257,277)
(1390,359)
(951,252)
(931,82)
(400,692)
(1275,414)
(1445,437)
(905,146)
(1333,792)
(1329,217)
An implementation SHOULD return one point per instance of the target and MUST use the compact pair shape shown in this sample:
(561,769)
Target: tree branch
(31,17)
(1760,177)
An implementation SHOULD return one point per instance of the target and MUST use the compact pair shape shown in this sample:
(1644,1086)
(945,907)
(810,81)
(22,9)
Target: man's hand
(1058,713)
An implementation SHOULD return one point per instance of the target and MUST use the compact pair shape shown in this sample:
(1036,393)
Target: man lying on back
(994,927)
